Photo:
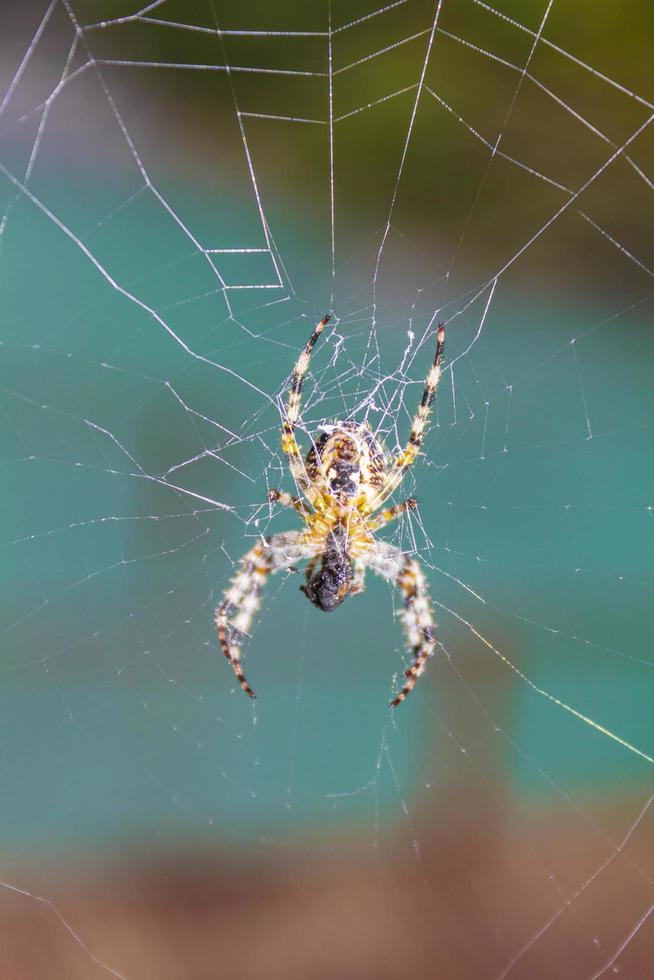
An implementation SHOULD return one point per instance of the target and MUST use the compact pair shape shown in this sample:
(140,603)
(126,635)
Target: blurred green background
(172,230)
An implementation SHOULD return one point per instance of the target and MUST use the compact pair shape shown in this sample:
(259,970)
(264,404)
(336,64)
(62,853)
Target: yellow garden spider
(345,478)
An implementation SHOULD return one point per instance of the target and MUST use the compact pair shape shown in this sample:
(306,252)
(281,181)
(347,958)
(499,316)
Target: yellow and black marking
(346,465)
(345,479)
(289,443)
(409,454)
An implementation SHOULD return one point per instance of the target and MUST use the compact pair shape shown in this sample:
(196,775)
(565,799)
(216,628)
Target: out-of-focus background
(185,188)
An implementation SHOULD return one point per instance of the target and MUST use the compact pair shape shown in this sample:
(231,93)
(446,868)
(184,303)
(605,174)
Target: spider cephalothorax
(345,479)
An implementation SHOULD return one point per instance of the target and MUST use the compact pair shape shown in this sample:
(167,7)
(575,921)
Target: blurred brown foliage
(462,909)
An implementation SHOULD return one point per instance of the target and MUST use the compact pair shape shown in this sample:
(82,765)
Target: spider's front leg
(289,442)
(409,454)
(419,626)
(241,601)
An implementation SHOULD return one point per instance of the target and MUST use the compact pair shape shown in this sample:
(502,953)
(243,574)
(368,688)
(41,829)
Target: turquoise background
(120,720)
(119,712)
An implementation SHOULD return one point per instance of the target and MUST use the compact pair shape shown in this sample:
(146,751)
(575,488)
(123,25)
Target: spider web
(185,190)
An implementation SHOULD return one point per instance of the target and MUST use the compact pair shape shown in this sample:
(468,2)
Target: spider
(345,478)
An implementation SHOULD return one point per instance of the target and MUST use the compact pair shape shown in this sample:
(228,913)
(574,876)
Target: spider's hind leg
(241,601)
(235,614)
(419,627)
(358,577)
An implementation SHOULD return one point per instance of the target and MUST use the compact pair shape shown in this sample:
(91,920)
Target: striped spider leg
(241,601)
(409,454)
(419,627)
(289,442)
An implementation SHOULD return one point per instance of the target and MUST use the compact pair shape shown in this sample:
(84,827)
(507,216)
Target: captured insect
(345,478)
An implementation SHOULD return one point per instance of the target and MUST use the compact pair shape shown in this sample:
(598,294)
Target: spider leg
(359,577)
(289,442)
(241,601)
(391,513)
(309,570)
(286,500)
(419,626)
(407,457)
